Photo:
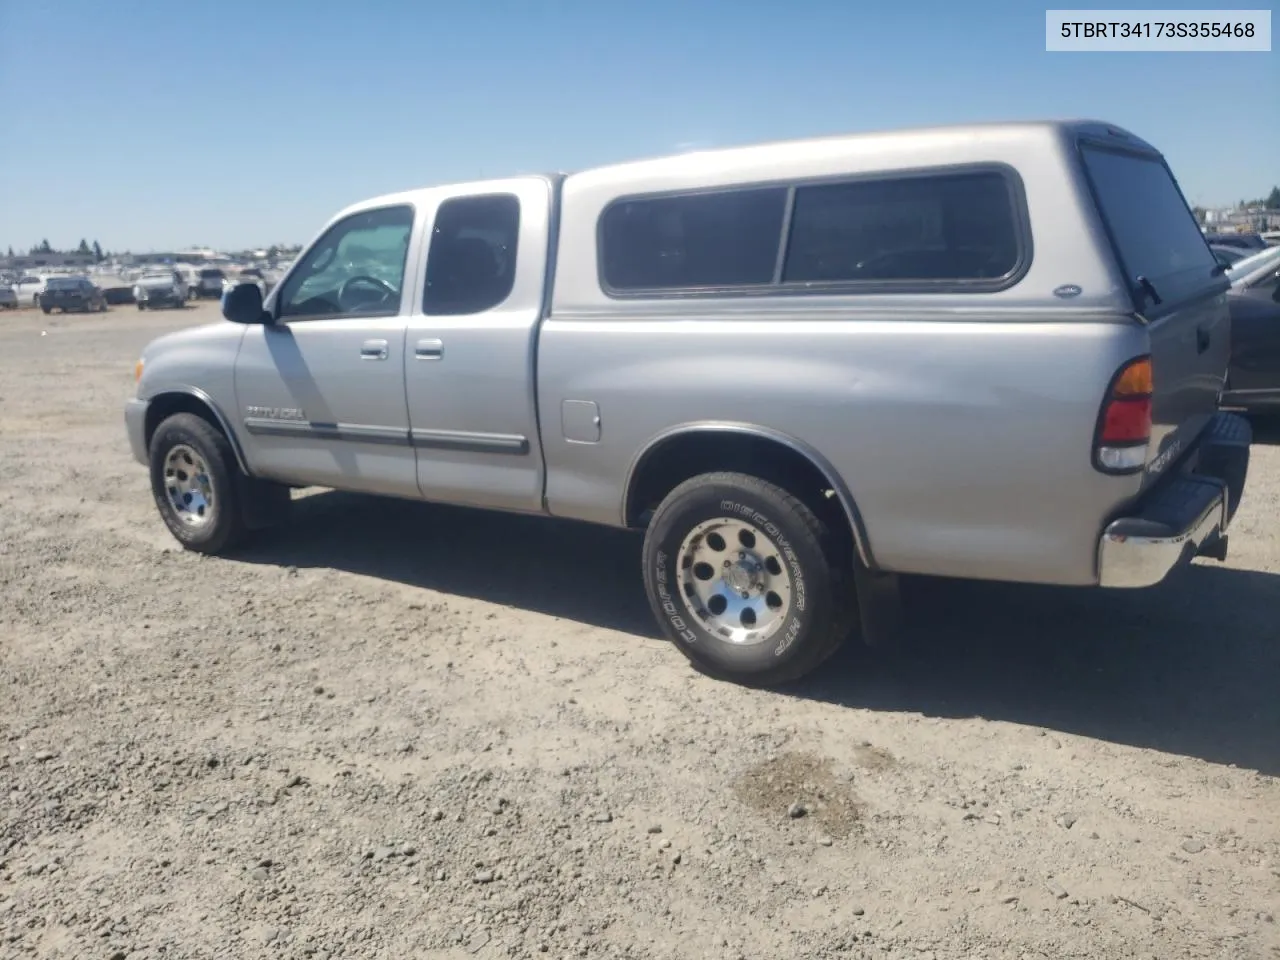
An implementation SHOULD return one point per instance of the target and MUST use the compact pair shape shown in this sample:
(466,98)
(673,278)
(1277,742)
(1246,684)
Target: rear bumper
(1185,515)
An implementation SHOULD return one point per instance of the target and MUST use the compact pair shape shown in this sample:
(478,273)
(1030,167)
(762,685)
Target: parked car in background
(160,288)
(249,275)
(69,294)
(8,297)
(1229,255)
(209,281)
(715,367)
(1244,241)
(29,289)
(1272,238)
(1253,379)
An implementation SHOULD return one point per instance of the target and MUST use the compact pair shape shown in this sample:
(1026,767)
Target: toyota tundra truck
(802,369)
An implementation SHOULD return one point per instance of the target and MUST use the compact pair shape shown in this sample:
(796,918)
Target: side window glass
(356,269)
(707,241)
(937,228)
(471,263)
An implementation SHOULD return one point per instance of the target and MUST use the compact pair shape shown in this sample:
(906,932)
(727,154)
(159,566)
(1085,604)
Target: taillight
(1124,425)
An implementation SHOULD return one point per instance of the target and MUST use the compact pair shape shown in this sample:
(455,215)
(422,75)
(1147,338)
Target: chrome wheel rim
(734,581)
(188,487)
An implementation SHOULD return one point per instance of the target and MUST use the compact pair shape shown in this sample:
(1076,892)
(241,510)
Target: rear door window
(1155,234)
(471,264)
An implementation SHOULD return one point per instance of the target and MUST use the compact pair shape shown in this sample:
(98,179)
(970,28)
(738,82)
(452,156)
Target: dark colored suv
(72,293)
(1243,241)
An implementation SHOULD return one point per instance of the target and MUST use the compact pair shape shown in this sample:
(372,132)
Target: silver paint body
(956,428)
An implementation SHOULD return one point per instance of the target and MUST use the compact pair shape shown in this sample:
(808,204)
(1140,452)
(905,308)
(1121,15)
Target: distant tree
(1199,213)
(1273,199)
(84,246)
(11,253)
(42,247)
(98,255)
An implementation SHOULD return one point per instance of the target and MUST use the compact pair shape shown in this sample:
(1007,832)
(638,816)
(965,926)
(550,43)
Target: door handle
(373,350)
(429,350)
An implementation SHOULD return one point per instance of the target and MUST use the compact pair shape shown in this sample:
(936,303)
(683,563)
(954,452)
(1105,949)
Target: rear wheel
(141,305)
(746,580)
(195,482)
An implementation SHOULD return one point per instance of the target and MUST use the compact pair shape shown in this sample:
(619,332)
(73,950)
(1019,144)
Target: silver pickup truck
(803,369)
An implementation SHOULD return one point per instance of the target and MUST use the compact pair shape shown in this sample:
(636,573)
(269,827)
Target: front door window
(356,269)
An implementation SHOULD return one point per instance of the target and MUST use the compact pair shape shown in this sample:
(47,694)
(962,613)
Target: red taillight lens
(1124,424)
(1126,421)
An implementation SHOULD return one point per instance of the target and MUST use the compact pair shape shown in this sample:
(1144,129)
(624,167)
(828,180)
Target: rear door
(470,346)
(1177,287)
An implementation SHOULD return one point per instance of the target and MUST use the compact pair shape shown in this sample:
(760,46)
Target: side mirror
(243,304)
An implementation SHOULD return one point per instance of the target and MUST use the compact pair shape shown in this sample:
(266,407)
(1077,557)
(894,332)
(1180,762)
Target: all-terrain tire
(788,537)
(214,462)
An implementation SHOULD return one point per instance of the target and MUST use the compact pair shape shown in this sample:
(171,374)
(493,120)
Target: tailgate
(1177,287)
(1190,349)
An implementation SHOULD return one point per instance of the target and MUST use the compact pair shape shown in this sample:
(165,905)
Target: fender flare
(820,463)
(223,423)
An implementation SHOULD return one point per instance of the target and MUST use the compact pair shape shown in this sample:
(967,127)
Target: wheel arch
(680,452)
(195,401)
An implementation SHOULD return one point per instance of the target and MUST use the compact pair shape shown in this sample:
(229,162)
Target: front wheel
(194,479)
(746,580)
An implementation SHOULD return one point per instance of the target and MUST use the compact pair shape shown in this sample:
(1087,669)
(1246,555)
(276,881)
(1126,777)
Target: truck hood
(219,339)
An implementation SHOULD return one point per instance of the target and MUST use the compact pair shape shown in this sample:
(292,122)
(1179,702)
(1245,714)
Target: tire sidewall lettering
(668,603)
(789,636)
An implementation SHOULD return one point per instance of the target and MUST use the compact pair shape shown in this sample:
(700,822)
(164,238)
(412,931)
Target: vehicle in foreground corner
(803,369)
(1253,379)
(1228,256)
(160,288)
(8,297)
(72,294)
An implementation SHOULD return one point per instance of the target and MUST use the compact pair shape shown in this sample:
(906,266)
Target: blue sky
(151,125)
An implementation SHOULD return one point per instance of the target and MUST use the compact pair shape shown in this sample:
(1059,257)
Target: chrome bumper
(1185,516)
(135,425)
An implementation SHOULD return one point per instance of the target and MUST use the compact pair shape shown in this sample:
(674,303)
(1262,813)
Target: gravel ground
(400,730)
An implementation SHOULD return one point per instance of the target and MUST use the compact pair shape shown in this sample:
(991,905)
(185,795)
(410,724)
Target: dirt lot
(398,730)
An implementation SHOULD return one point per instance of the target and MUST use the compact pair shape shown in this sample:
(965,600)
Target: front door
(321,390)
(469,372)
